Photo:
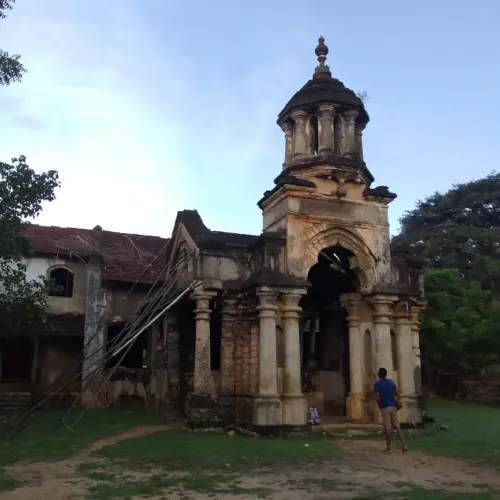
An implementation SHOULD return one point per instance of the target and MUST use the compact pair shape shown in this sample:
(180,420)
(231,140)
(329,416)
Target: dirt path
(59,480)
(361,470)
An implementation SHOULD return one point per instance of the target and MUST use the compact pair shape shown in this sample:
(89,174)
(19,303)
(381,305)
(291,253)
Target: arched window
(61,282)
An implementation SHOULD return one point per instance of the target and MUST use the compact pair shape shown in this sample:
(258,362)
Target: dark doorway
(16,359)
(325,336)
(134,358)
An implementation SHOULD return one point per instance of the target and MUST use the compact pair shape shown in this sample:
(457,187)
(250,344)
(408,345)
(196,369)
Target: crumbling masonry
(301,315)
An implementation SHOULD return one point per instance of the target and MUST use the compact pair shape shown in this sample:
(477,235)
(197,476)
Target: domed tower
(324,120)
(323,194)
(357,311)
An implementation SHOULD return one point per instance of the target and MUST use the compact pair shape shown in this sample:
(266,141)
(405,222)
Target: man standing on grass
(389,403)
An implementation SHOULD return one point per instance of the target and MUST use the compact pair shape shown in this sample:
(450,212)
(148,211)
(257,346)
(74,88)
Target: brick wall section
(246,357)
(254,356)
(227,363)
(238,355)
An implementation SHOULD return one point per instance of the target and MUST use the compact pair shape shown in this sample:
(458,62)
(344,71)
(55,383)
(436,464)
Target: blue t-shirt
(386,389)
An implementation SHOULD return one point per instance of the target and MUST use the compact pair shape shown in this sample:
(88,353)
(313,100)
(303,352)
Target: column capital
(202,298)
(287,128)
(351,115)
(381,305)
(267,302)
(326,111)
(202,293)
(415,317)
(293,294)
(381,301)
(290,302)
(401,312)
(402,320)
(299,117)
(351,302)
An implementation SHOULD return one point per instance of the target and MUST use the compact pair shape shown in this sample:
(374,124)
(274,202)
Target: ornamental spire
(322,70)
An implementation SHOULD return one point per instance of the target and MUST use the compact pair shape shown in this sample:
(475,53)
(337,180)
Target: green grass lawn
(213,463)
(474,432)
(46,439)
(214,451)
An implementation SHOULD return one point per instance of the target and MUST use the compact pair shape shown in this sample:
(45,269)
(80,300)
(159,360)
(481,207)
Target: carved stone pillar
(350,131)
(415,336)
(202,382)
(227,364)
(287,127)
(359,140)
(326,136)
(300,134)
(355,400)
(95,333)
(267,406)
(294,402)
(404,350)
(382,314)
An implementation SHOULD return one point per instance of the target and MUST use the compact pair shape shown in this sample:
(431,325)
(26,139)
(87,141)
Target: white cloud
(133,137)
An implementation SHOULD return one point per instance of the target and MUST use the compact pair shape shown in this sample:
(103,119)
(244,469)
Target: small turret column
(325,118)
(350,130)
(300,135)
(287,127)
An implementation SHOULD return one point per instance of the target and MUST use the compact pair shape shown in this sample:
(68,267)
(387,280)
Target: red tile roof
(126,256)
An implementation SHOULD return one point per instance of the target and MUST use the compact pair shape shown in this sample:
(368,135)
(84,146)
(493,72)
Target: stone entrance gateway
(306,312)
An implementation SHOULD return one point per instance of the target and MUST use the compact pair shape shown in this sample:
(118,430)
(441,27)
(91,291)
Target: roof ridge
(41,226)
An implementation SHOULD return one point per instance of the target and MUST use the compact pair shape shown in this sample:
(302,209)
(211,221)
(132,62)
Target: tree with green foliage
(460,327)
(459,229)
(11,69)
(22,192)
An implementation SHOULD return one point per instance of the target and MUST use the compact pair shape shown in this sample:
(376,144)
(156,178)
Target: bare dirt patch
(362,470)
(60,480)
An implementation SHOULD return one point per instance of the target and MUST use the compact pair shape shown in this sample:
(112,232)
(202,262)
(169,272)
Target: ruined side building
(301,315)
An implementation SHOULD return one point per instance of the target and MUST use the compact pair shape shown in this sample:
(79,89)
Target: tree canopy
(11,69)
(460,325)
(459,229)
(22,192)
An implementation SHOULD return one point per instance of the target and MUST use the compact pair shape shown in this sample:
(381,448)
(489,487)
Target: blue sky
(146,107)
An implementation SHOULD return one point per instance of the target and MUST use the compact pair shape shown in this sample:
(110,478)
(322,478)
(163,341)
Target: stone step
(14,401)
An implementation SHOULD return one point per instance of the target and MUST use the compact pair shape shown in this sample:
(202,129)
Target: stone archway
(325,338)
(361,261)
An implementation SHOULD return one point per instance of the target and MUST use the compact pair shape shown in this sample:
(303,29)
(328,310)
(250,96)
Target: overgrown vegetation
(458,234)
(22,192)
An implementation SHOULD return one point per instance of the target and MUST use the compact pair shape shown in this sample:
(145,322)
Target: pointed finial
(322,51)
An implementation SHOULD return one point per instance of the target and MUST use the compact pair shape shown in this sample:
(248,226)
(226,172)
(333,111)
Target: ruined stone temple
(301,315)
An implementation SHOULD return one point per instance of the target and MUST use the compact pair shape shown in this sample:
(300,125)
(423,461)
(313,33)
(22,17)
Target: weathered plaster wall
(59,364)
(40,266)
(120,303)
(305,212)
(226,268)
